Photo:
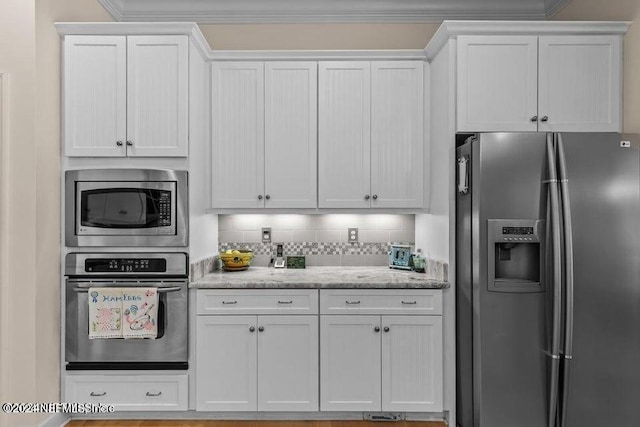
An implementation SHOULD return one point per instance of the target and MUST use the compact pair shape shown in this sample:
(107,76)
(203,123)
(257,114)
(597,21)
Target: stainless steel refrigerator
(548,280)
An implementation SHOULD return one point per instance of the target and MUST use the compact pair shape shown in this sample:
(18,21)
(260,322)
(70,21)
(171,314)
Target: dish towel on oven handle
(105,313)
(140,311)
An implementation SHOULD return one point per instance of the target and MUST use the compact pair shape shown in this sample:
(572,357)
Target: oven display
(517,230)
(119,265)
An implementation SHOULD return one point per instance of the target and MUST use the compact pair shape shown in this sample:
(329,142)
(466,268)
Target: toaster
(400,257)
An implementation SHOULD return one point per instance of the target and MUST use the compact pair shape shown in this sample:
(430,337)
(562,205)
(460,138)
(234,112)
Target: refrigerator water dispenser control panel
(515,255)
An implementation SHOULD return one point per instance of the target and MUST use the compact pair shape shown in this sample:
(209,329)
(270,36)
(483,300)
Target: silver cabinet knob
(534,118)
(119,143)
(154,394)
(544,118)
(260,197)
(375,197)
(376,329)
(94,394)
(367,197)
(129,143)
(252,328)
(386,329)
(261,329)
(267,197)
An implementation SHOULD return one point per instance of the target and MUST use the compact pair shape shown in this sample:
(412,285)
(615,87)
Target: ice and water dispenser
(515,255)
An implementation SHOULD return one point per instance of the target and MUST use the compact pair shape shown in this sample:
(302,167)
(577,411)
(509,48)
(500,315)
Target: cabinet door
(226,354)
(580,83)
(397,140)
(497,83)
(288,363)
(95,91)
(412,363)
(350,363)
(290,137)
(158,96)
(237,134)
(344,134)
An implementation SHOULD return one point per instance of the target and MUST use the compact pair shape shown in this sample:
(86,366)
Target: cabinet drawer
(130,393)
(381,301)
(257,301)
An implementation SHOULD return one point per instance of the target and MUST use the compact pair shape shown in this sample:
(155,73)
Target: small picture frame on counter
(296,261)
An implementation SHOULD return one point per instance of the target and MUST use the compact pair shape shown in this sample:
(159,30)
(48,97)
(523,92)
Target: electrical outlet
(266,234)
(352,235)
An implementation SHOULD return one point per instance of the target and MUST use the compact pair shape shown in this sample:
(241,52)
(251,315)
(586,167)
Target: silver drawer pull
(409,302)
(154,394)
(229,302)
(94,394)
(352,302)
(285,302)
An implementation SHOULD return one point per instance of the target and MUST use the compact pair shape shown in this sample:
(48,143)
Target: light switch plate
(352,235)
(266,234)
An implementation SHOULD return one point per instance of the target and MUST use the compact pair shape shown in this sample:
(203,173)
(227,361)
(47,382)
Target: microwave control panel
(164,209)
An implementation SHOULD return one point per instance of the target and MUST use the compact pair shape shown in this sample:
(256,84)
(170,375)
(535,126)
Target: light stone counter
(319,277)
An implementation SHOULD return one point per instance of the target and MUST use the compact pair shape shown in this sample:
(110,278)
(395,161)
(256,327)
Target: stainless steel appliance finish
(139,207)
(166,271)
(564,353)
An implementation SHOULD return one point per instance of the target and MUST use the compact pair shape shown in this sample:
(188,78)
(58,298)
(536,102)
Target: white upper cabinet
(237,125)
(497,83)
(158,96)
(580,83)
(397,138)
(264,139)
(126,96)
(95,95)
(539,83)
(371,134)
(344,135)
(290,134)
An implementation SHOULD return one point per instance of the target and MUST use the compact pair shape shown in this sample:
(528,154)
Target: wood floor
(203,423)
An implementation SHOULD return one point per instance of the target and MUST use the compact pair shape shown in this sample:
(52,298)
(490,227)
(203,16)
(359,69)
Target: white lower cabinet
(130,392)
(256,362)
(386,362)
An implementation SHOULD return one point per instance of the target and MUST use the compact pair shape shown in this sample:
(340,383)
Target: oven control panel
(121,265)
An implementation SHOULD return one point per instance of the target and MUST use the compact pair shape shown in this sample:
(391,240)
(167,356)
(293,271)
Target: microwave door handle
(160,290)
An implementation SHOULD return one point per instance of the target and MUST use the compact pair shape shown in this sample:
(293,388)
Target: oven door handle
(160,290)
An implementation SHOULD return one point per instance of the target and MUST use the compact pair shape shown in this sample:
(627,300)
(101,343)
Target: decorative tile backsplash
(321,238)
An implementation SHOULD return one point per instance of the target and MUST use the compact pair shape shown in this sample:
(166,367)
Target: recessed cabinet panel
(95,93)
(412,363)
(580,83)
(157,95)
(290,134)
(497,83)
(344,134)
(350,363)
(227,363)
(288,363)
(397,140)
(237,164)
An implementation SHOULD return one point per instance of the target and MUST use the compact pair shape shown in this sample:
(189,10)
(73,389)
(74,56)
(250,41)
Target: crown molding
(189,29)
(317,55)
(324,11)
(452,29)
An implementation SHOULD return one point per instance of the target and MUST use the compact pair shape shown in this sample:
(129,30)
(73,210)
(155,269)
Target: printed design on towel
(140,312)
(108,306)
(140,318)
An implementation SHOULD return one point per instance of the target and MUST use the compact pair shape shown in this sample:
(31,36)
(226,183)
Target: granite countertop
(319,277)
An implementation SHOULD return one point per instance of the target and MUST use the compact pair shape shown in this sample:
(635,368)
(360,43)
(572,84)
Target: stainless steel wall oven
(165,271)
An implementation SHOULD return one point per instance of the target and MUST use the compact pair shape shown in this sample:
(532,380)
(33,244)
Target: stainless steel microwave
(126,207)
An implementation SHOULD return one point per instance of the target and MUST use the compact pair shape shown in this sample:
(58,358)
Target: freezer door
(503,359)
(604,188)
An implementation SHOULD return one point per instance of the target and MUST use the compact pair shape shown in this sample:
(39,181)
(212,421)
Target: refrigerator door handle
(557,280)
(567,267)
